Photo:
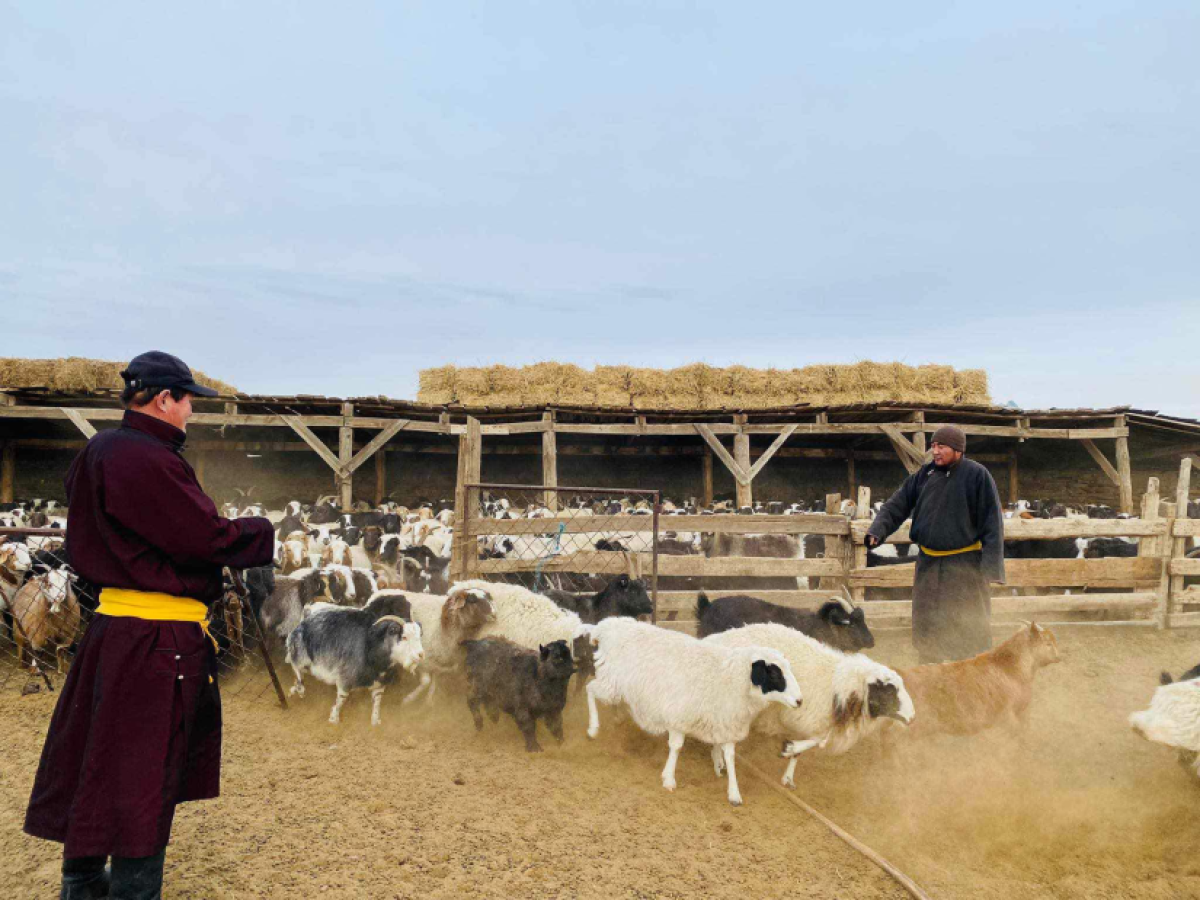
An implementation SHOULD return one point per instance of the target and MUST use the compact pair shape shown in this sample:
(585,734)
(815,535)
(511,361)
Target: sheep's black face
(556,659)
(767,677)
(631,596)
(883,700)
(860,634)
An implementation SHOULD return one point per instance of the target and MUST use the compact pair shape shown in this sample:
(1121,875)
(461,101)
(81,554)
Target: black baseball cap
(162,370)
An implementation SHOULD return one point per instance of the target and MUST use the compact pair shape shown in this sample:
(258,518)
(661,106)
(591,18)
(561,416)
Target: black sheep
(836,623)
(527,685)
(622,596)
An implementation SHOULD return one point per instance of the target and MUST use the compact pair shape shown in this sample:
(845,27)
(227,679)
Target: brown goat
(46,613)
(972,695)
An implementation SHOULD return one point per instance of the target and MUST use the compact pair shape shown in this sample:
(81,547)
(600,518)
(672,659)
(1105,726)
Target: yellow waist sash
(975,546)
(156,607)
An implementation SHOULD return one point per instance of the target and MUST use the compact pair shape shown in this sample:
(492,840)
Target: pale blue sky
(325,198)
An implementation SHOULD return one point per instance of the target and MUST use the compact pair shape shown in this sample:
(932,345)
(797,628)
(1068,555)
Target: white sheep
(846,696)
(1173,719)
(673,683)
(525,618)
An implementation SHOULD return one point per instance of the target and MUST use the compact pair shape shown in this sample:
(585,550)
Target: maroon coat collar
(156,428)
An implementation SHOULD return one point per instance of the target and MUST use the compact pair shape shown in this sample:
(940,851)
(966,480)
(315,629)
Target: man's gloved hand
(871,541)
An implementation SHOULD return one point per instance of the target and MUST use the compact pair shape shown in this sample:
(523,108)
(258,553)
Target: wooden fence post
(741,455)
(859,551)
(1177,545)
(1149,513)
(706,487)
(345,479)
(466,502)
(1014,478)
(1126,483)
(550,461)
(837,547)
(380,476)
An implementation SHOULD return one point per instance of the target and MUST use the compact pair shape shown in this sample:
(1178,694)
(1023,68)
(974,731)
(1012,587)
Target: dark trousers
(85,878)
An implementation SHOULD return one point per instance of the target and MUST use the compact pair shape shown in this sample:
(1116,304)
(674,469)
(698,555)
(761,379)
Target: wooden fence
(1148,589)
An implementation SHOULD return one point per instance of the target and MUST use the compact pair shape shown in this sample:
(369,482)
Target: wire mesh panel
(560,538)
(45,609)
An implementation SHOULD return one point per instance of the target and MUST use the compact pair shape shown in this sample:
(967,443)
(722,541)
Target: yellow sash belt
(975,546)
(156,607)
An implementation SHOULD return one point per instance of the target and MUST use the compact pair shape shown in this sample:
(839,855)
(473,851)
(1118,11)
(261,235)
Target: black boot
(84,878)
(137,878)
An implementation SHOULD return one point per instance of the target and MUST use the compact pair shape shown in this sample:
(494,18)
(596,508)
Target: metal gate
(570,538)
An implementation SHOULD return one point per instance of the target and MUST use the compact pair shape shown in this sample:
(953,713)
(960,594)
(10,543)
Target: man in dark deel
(958,523)
(137,728)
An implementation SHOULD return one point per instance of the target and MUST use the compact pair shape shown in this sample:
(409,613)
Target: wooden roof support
(740,475)
(1101,460)
(910,456)
(466,501)
(769,452)
(376,443)
(1123,468)
(743,489)
(80,422)
(313,441)
(550,461)
(8,472)
(345,474)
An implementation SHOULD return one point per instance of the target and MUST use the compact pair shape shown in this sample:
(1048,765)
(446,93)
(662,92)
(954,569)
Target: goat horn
(849,596)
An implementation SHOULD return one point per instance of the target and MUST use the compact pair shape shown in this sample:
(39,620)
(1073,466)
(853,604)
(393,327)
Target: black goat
(525,684)
(622,596)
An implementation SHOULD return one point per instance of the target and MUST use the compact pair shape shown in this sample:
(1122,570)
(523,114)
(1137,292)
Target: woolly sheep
(673,683)
(846,697)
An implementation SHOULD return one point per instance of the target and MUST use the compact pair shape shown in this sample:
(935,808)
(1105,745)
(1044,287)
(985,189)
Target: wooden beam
(1126,483)
(1097,573)
(769,452)
(313,441)
(8,472)
(380,477)
(740,475)
(918,438)
(706,478)
(1101,460)
(1150,503)
(1048,529)
(697,566)
(550,460)
(80,422)
(1174,587)
(743,488)
(909,457)
(614,526)
(466,501)
(851,475)
(375,443)
(345,475)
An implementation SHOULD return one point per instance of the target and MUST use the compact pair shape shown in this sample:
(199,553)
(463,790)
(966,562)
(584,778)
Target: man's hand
(871,541)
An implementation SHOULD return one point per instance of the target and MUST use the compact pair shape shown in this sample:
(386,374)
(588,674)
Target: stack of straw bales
(700,386)
(76,375)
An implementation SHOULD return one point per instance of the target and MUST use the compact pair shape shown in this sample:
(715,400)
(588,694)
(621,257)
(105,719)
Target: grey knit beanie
(952,436)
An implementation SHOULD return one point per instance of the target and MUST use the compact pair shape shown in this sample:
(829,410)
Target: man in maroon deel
(137,728)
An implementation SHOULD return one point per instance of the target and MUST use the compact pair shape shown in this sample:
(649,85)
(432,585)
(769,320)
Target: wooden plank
(725,566)
(376,443)
(811,523)
(80,422)
(550,461)
(770,451)
(1185,620)
(1185,567)
(313,441)
(1101,460)
(740,475)
(1014,478)
(1047,529)
(793,599)
(1186,527)
(684,608)
(1150,503)
(1096,573)
(918,438)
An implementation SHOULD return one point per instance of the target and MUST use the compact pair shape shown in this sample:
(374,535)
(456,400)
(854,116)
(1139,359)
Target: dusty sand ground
(1084,810)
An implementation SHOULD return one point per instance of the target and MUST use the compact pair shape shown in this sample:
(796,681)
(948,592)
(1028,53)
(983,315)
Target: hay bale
(549,383)
(505,386)
(437,386)
(78,375)
(815,384)
(971,387)
(746,388)
(935,384)
(650,388)
(576,387)
(614,385)
(695,386)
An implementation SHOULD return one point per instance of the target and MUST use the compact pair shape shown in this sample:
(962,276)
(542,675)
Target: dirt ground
(423,807)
